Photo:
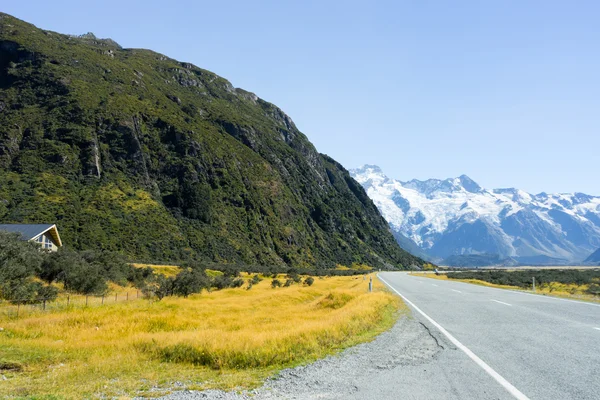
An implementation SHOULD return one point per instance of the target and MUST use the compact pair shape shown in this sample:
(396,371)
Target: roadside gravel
(405,351)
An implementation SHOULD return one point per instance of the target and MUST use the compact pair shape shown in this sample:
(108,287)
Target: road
(521,345)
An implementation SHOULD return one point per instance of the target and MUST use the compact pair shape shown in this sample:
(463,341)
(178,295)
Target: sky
(506,92)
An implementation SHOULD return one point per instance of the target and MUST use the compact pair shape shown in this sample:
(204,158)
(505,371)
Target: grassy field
(223,339)
(558,289)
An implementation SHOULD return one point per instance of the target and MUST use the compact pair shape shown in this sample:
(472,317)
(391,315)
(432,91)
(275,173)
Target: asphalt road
(510,344)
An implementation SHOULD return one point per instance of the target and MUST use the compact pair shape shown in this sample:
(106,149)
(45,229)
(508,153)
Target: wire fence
(20,308)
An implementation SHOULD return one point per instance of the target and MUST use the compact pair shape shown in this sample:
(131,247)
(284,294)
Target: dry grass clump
(166,270)
(224,339)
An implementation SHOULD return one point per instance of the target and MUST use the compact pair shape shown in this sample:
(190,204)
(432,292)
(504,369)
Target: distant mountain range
(594,258)
(458,222)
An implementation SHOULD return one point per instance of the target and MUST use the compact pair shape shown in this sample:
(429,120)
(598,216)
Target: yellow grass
(223,339)
(166,270)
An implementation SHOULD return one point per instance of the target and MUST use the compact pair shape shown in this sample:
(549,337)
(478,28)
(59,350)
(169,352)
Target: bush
(190,281)
(70,268)
(20,261)
(288,282)
(112,266)
(594,289)
(275,283)
(222,282)
(238,282)
(158,285)
(309,281)
(255,279)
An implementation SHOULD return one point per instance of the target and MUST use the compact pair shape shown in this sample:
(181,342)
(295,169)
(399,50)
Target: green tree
(70,268)
(190,281)
(20,261)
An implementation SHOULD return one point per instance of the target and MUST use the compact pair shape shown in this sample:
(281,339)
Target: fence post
(370,284)
(18,308)
(86,300)
(68,299)
(44,304)
(127,298)
(115,297)
(102,299)
(534,283)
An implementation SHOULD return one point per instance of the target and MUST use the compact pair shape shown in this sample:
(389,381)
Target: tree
(159,286)
(20,260)
(113,266)
(70,268)
(190,281)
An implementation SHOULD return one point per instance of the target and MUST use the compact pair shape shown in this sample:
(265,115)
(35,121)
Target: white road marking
(533,294)
(433,284)
(598,329)
(501,302)
(505,384)
(457,291)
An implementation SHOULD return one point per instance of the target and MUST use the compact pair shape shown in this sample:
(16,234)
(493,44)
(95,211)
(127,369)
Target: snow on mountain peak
(456,215)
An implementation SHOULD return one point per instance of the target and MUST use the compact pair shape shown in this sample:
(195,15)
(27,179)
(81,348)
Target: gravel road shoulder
(406,351)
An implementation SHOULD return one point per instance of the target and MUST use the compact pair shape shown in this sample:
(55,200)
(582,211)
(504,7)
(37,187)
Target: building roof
(31,231)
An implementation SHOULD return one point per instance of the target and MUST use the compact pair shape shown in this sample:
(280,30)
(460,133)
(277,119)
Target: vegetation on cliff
(128,150)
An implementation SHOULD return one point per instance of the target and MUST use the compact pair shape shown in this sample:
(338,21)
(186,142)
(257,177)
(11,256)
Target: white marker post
(370,284)
(534,283)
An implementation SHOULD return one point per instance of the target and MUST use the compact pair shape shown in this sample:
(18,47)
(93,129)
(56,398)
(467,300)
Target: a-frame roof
(31,231)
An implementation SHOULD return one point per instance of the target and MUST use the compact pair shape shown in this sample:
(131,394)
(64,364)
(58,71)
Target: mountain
(132,151)
(456,217)
(594,258)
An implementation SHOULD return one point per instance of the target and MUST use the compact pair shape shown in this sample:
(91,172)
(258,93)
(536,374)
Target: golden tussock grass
(166,270)
(223,339)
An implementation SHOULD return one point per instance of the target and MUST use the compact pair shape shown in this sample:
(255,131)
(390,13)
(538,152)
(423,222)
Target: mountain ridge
(594,258)
(456,216)
(129,150)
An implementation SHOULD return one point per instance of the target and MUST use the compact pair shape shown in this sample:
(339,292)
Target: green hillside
(129,150)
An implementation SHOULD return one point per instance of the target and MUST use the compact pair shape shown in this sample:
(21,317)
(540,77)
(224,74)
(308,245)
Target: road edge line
(517,394)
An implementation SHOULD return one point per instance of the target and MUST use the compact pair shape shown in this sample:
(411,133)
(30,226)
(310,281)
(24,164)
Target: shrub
(594,289)
(159,286)
(111,265)
(275,283)
(255,279)
(238,282)
(190,281)
(288,282)
(20,261)
(70,268)
(222,282)
(309,281)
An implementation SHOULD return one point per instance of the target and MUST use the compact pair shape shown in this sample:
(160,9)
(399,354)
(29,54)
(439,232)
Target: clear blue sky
(507,92)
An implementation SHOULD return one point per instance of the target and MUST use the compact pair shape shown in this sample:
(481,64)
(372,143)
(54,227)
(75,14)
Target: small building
(44,234)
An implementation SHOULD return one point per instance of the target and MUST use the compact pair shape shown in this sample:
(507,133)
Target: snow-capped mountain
(594,258)
(458,217)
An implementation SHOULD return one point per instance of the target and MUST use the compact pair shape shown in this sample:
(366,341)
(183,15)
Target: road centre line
(433,284)
(598,329)
(501,302)
(517,394)
(457,291)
